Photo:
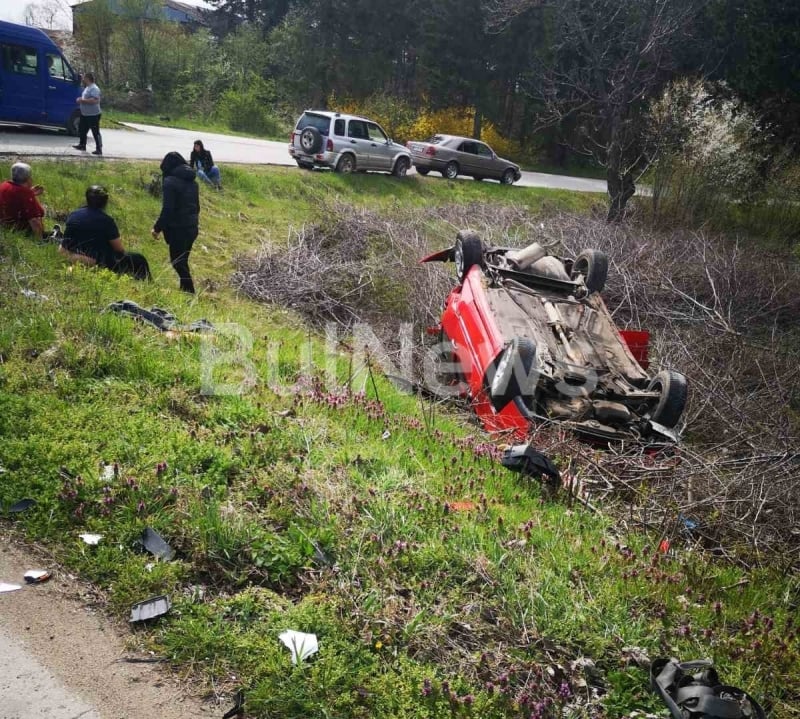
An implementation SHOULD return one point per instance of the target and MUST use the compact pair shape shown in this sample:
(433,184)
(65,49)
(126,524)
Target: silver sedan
(452,156)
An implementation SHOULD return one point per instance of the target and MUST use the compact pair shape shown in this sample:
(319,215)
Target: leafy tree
(139,34)
(607,60)
(94,27)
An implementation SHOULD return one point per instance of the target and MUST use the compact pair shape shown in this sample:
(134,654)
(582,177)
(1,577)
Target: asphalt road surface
(148,142)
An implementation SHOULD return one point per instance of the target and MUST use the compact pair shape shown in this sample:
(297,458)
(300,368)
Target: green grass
(182,122)
(288,509)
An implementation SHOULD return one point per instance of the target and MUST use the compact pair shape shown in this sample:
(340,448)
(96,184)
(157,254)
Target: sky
(14,10)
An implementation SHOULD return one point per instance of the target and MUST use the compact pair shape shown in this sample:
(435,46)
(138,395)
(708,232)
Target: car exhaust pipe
(525,257)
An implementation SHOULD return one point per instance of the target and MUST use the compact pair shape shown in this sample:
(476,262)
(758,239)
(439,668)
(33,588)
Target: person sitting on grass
(19,204)
(201,160)
(91,238)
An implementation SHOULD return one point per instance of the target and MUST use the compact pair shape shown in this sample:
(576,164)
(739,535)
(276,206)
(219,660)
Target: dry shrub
(722,312)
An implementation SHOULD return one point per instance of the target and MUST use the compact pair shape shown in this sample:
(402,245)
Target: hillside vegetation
(438,584)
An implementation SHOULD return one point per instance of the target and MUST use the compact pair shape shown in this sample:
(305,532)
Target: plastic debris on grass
(6,587)
(36,576)
(150,608)
(300,644)
(91,539)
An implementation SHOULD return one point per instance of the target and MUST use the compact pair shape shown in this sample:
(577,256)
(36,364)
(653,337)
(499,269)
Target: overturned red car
(527,338)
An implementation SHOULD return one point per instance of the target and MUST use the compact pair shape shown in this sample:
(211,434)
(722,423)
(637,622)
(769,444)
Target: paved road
(148,142)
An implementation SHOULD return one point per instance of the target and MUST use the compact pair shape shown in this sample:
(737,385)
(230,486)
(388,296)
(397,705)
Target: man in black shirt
(92,238)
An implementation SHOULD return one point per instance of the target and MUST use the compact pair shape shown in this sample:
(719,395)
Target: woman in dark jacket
(201,161)
(180,214)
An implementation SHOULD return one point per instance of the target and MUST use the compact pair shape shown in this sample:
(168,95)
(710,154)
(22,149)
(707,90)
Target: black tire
(304,165)
(468,252)
(310,140)
(593,265)
(509,376)
(346,164)
(508,177)
(451,170)
(74,124)
(672,402)
(400,168)
(422,171)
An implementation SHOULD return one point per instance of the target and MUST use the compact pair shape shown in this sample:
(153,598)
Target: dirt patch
(59,623)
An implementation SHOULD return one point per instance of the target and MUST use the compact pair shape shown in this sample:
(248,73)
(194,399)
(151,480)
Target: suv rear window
(435,139)
(321,122)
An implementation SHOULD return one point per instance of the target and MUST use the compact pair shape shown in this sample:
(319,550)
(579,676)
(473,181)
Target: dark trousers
(180,241)
(133,264)
(90,122)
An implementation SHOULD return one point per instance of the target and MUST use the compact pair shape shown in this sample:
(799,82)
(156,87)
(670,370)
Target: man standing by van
(89,103)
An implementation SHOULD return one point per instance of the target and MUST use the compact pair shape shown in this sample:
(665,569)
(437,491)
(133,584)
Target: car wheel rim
(500,380)
(452,172)
(459,260)
(347,165)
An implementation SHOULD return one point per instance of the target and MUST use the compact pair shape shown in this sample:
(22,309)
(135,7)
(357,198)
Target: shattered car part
(150,608)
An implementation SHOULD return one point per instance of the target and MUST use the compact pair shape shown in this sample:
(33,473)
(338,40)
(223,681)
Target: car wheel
(508,177)
(304,165)
(74,124)
(422,171)
(310,140)
(346,164)
(468,252)
(593,265)
(511,375)
(451,170)
(400,168)
(672,402)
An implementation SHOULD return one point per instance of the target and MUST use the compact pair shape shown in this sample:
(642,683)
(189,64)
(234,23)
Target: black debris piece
(525,459)
(238,706)
(21,506)
(159,318)
(154,543)
(150,608)
(693,690)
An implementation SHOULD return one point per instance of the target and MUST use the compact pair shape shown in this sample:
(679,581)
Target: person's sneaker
(82,148)
(98,151)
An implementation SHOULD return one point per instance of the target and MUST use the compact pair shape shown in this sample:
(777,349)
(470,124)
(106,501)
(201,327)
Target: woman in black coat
(180,214)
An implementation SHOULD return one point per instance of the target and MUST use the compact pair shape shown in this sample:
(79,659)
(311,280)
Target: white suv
(346,143)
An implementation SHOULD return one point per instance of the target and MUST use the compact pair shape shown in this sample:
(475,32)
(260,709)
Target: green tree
(94,27)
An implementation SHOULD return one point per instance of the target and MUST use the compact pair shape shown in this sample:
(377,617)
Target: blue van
(37,85)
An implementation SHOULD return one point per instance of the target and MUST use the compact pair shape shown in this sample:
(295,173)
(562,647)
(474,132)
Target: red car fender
(469,324)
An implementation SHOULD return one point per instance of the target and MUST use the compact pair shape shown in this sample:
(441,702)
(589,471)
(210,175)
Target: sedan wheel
(508,177)
(451,170)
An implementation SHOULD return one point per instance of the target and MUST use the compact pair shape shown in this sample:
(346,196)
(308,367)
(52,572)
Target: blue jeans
(211,177)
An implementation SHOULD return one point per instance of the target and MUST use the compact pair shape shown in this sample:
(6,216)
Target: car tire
(508,177)
(74,124)
(513,364)
(422,171)
(310,140)
(304,165)
(467,252)
(672,402)
(593,265)
(400,168)
(346,164)
(451,170)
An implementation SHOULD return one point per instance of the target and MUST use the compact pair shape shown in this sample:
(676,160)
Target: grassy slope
(308,519)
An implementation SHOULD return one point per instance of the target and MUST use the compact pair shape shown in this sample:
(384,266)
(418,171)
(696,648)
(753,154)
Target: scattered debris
(238,706)
(150,608)
(91,539)
(21,506)
(36,576)
(386,435)
(525,459)
(154,543)
(159,318)
(30,294)
(693,689)
(300,644)
(5,587)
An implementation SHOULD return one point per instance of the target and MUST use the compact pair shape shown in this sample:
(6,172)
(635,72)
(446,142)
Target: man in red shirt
(19,206)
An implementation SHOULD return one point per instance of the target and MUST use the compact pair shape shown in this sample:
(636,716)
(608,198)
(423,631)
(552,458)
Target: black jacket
(204,158)
(180,208)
